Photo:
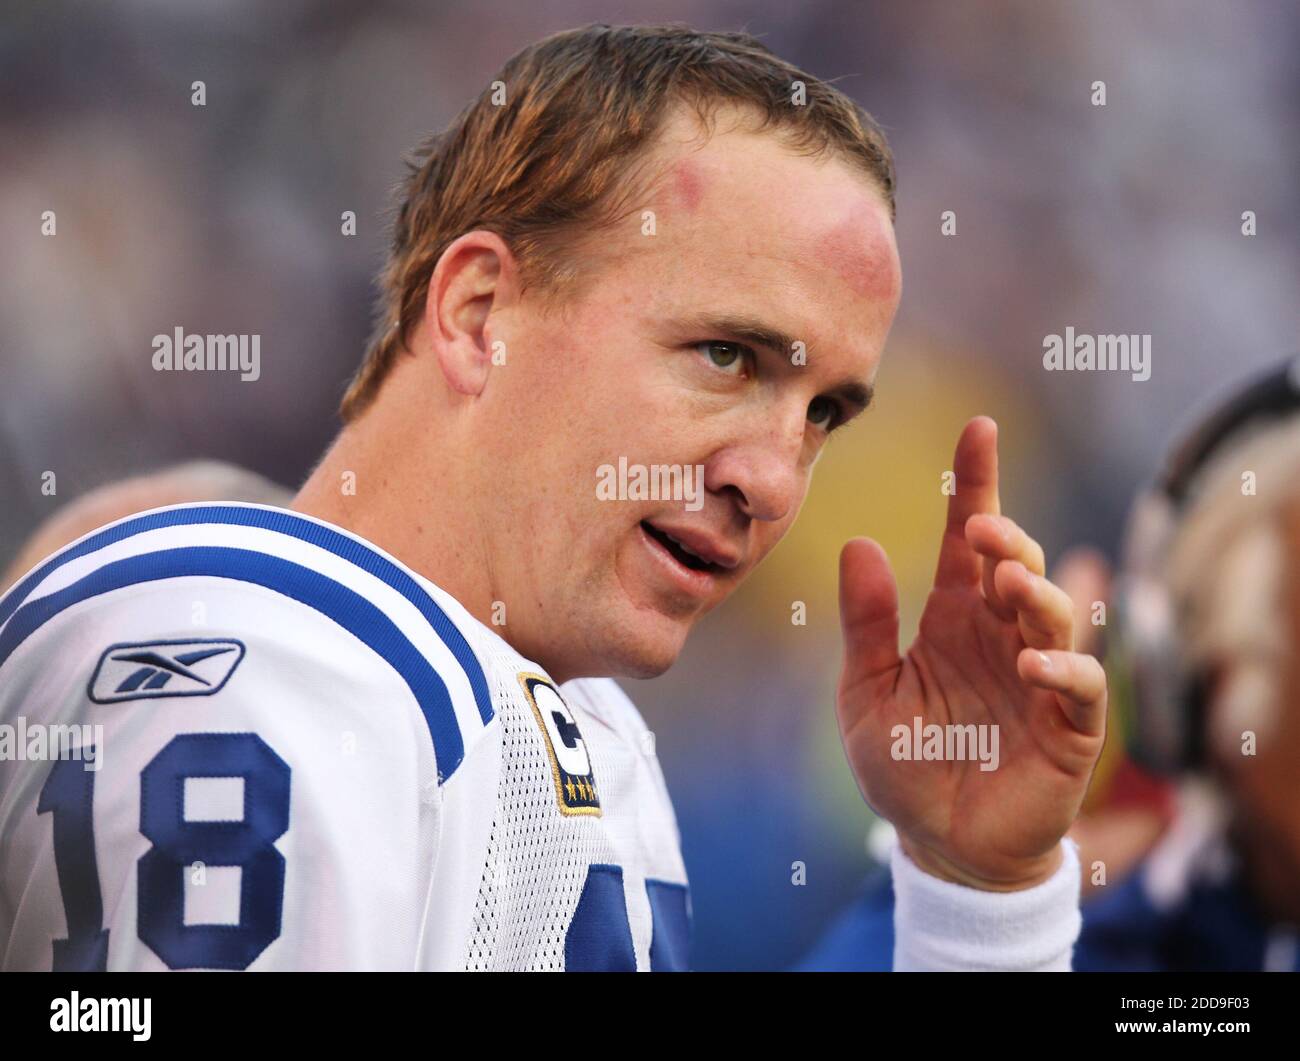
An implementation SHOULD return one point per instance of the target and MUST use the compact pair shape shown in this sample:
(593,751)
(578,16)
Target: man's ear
(475,273)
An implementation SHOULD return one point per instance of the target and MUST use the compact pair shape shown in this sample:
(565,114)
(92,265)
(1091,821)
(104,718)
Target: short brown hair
(579,106)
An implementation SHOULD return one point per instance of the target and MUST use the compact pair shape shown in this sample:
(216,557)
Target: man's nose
(764,472)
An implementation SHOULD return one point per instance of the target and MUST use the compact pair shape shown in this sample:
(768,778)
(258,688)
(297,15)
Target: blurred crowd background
(225,218)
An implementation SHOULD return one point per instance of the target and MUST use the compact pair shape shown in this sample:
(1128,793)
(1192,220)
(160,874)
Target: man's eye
(823,413)
(730,357)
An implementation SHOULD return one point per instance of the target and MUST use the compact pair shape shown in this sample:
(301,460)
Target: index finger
(975,467)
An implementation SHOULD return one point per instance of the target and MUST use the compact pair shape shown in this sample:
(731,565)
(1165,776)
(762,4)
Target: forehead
(744,225)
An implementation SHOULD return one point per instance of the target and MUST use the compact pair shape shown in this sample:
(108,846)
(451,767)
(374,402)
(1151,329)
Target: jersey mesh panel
(537,858)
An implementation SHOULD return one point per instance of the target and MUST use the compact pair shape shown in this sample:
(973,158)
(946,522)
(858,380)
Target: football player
(335,736)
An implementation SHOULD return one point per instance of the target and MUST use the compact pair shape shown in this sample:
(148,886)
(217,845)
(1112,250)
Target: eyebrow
(754,332)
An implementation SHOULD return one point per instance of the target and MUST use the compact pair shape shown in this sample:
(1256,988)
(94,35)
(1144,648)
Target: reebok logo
(164,668)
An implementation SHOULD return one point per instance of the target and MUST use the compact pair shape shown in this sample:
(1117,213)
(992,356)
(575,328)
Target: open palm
(994,649)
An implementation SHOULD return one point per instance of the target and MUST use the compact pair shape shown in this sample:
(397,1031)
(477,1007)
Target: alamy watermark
(37,742)
(950,743)
(179,352)
(91,1014)
(1072,352)
(651,482)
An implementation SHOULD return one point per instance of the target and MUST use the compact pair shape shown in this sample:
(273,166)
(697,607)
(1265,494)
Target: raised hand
(994,649)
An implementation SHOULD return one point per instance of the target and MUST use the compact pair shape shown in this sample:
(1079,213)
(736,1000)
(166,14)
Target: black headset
(1159,699)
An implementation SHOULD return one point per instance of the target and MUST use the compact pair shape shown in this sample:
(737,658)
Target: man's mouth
(680,552)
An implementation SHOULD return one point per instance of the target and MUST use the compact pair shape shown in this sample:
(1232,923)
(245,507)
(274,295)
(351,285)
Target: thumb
(868,609)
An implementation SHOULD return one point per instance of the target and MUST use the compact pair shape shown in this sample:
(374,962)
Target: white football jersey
(234,737)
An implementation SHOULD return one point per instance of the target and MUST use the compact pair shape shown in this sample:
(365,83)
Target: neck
(378,483)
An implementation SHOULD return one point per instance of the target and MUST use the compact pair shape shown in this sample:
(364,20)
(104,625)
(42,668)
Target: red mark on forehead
(861,253)
(688,184)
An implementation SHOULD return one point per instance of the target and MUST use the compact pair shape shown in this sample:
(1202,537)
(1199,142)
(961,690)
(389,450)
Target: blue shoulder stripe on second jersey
(344,606)
(281,521)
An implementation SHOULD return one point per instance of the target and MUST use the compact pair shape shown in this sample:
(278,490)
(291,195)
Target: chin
(636,648)
(644,666)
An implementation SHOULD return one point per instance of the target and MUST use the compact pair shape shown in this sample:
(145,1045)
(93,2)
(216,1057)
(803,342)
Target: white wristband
(939,925)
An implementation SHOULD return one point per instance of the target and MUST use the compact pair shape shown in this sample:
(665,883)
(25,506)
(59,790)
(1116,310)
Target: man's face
(1264,786)
(682,350)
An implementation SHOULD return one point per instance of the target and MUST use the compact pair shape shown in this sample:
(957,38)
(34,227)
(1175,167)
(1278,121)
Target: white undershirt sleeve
(939,925)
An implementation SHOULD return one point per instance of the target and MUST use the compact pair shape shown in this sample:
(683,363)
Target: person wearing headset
(1204,662)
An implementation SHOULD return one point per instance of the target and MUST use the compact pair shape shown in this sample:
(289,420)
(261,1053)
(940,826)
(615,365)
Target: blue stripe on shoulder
(347,608)
(280,521)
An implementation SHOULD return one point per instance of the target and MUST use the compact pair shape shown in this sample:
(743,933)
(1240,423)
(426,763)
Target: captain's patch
(575,785)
